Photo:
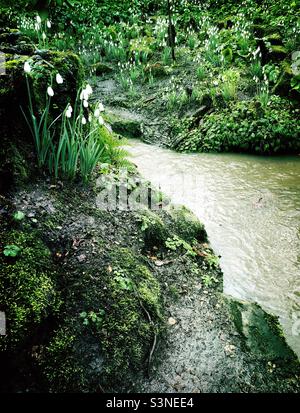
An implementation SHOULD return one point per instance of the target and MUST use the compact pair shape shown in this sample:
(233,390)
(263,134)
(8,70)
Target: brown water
(251,210)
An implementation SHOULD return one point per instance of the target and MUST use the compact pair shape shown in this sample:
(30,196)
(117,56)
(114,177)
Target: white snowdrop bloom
(38,19)
(86,95)
(59,79)
(37,27)
(27,67)
(44,36)
(70,108)
(85,103)
(101,107)
(90,118)
(50,91)
(97,113)
(101,120)
(68,113)
(49,24)
(83,120)
(88,89)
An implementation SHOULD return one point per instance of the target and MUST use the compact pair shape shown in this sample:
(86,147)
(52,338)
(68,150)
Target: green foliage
(11,251)
(247,127)
(175,243)
(92,318)
(19,216)
(81,144)
(209,280)
(201,72)
(229,86)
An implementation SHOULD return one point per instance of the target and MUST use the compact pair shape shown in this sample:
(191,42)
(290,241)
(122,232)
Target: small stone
(172,321)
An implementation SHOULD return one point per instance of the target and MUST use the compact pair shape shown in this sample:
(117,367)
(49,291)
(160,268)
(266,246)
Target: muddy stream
(251,210)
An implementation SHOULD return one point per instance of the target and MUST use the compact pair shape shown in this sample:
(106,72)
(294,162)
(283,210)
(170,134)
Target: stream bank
(145,278)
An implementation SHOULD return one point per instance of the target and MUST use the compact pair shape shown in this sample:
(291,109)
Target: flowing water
(251,210)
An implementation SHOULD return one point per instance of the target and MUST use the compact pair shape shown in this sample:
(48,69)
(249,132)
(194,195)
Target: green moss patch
(27,286)
(112,314)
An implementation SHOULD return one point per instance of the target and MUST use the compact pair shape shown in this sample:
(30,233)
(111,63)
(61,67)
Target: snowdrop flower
(38,19)
(101,107)
(37,27)
(83,120)
(84,95)
(88,89)
(97,113)
(44,36)
(59,79)
(48,24)
(69,111)
(50,91)
(27,67)
(85,103)
(90,118)
(101,120)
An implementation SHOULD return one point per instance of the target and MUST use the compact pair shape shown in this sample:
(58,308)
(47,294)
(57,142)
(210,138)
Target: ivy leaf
(11,250)
(19,216)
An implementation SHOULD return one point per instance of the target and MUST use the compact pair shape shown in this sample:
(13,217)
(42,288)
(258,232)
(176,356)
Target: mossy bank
(95,298)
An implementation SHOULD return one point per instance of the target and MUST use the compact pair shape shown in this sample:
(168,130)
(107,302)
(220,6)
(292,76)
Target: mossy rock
(153,228)
(13,41)
(101,69)
(277,53)
(186,224)
(129,126)
(27,287)
(83,353)
(261,333)
(275,39)
(261,30)
(44,67)
(283,85)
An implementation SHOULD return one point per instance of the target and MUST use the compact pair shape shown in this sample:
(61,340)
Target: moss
(61,368)
(278,53)
(262,30)
(187,225)
(261,332)
(27,286)
(283,85)
(129,128)
(153,228)
(80,355)
(127,326)
(274,39)
(68,65)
